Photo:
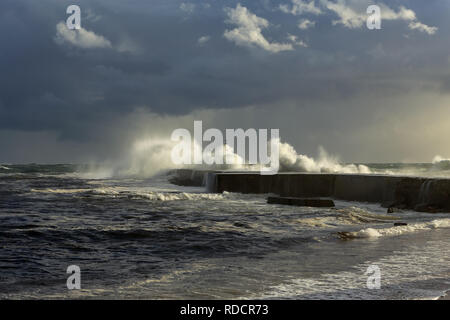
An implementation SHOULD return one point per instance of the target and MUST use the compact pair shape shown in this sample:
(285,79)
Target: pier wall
(422,194)
(416,193)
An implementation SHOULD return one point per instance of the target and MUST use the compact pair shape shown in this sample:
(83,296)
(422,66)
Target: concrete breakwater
(416,193)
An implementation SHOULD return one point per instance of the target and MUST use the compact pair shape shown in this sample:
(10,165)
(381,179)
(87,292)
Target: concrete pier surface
(414,193)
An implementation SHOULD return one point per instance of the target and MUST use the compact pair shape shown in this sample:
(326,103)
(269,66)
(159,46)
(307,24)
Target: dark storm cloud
(155,61)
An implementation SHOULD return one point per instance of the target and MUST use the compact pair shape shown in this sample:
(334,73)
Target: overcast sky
(140,69)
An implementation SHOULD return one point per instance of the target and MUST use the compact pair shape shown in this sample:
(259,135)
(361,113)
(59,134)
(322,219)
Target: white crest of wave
(438,159)
(398,230)
(441,164)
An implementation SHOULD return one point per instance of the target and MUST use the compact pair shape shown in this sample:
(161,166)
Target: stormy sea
(145,238)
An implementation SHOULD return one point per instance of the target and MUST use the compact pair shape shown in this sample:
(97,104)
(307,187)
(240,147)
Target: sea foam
(399,230)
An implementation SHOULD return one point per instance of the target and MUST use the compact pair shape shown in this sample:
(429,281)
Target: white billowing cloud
(294,40)
(417,25)
(300,7)
(352,14)
(202,40)
(249,30)
(348,16)
(406,15)
(402,14)
(306,24)
(81,38)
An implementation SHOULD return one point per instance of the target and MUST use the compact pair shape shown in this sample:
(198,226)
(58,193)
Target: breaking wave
(149,195)
(151,156)
(166,196)
(440,163)
(397,230)
(148,157)
(290,160)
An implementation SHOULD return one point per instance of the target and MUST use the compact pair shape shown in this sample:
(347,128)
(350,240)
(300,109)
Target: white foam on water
(172,196)
(399,230)
(369,233)
(103,191)
(161,196)
(59,191)
(154,193)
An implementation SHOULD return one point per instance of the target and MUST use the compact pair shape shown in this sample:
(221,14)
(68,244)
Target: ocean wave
(152,156)
(161,196)
(440,163)
(149,195)
(396,230)
(348,216)
(356,215)
(405,275)
(290,160)
(174,196)
(95,191)
(59,191)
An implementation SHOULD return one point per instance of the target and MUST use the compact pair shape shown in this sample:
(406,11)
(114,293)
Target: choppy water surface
(148,239)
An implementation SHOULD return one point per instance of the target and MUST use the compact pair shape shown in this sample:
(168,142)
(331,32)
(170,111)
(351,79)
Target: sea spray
(440,163)
(291,161)
(151,156)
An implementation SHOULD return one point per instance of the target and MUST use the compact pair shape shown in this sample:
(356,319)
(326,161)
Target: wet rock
(393,210)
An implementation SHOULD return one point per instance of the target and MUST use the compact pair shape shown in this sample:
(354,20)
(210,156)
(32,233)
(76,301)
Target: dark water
(145,238)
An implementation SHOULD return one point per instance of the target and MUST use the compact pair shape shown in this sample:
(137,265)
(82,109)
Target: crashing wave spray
(151,156)
(290,160)
(441,163)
